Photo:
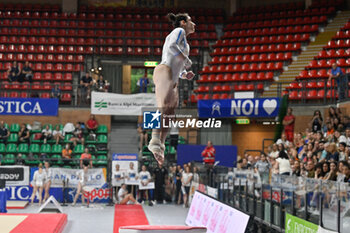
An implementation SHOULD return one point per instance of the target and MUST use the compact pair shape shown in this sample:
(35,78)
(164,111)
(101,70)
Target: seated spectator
(23,134)
(56,92)
(332,174)
(27,72)
(346,172)
(343,152)
(4,133)
(310,167)
(124,197)
(333,154)
(283,140)
(57,134)
(101,84)
(296,168)
(66,154)
(46,134)
(92,124)
(274,153)
(77,135)
(13,73)
(85,159)
(85,86)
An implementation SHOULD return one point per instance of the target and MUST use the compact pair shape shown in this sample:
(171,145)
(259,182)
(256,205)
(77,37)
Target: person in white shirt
(186,184)
(83,179)
(124,197)
(38,182)
(274,153)
(174,65)
(145,178)
(57,134)
(283,163)
(131,174)
(118,176)
(48,172)
(46,134)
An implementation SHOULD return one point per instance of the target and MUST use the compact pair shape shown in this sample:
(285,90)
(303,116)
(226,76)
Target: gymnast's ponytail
(176,19)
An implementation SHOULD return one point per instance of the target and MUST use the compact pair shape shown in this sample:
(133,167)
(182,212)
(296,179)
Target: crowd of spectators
(321,151)
(56,136)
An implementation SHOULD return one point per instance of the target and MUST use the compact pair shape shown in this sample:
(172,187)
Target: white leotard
(175,45)
(39,178)
(48,174)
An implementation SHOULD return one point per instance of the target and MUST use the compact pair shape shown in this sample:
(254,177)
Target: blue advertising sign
(262,107)
(126,157)
(29,106)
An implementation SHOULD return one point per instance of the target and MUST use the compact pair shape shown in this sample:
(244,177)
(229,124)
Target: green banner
(298,225)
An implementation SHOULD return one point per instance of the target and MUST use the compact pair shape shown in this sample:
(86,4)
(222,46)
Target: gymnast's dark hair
(176,19)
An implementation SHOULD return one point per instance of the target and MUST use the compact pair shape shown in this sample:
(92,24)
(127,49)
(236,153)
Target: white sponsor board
(215,216)
(121,104)
(96,177)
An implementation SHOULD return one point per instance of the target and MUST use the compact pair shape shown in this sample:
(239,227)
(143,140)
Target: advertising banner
(216,216)
(97,177)
(103,103)
(261,107)
(15,175)
(29,106)
(123,160)
(294,224)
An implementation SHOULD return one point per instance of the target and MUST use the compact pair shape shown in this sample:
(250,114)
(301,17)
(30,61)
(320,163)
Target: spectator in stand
(208,155)
(13,73)
(332,174)
(56,91)
(283,140)
(316,122)
(332,154)
(67,154)
(85,159)
(23,134)
(85,86)
(101,84)
(346,172)
(143,83)
(347,136)
(92,124)
(57,134)
(318,171)
(46,134)
(274,153)
(283,163)
(338,137)
(27,72)
(296,168)
(310,167)
(262,165)
(337,74)
(4,133)
(343,152)
(288,122)
(77,135)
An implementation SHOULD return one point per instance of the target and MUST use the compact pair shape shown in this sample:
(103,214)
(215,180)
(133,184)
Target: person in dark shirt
(23,134)
(160,174)
(27,72)
(101,84)
(14,72)
(4,133)
(85,86)
(346,172)
(337,73)
(56,92)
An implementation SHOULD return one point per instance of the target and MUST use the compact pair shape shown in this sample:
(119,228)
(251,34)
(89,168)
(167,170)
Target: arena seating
(31,153)
(257,43)
(56,44)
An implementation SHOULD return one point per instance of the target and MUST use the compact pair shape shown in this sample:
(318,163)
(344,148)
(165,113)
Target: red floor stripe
(41,223)
(128,215)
